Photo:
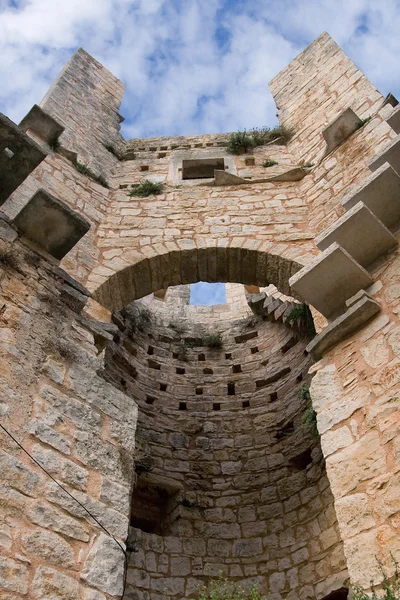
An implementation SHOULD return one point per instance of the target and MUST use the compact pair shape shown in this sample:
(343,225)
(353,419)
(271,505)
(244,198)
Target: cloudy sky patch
(190,66)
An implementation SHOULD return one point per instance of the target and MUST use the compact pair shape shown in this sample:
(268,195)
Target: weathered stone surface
(341,128)
(104,568)
(42,124)
(51,224)
(13,575)
(49,518)
(49,546)
(18,474)
(25,156)
(329,280)
(54,585)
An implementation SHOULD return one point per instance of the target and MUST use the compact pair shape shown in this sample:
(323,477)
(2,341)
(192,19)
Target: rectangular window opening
(201,168)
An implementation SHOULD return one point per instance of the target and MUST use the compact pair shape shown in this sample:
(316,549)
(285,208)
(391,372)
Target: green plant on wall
(222,589)
(389,585)
(309,418)
(183,351)
(146,188)
(241,141)
(269,163)
(214,340)
(303,316)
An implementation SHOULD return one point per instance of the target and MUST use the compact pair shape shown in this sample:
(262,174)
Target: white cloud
(180,78)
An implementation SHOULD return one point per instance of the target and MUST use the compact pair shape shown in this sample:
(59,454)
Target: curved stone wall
(229,478)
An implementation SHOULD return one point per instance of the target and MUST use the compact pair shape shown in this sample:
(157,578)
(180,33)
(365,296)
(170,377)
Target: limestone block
(340,129)
(49,583)
(394,119)
(380,193)
(19,156)
(294,174)
(104,567)
(51,224)
(13,575)
(360,233)
(16,473)
(43,515)
(340,328)
(329,280)
(49,546)
(224,178)
(41,123)
(390,154)
(354,514)
(362,461)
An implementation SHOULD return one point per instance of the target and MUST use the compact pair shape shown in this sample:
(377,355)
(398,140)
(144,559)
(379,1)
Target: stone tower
(149,444)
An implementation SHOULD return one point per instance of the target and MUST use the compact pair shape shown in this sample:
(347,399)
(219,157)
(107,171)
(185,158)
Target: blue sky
(190,66)
(203,293)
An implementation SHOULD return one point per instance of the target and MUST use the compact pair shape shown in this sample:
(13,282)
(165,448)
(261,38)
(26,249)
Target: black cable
(76,500)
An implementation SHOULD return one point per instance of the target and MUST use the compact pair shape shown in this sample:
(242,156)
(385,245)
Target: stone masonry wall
(75,424)
(242,478)
(76,414)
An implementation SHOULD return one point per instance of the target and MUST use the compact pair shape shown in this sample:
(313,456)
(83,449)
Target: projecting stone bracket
(361,309)
(41,124)
(340,129)
(292,174)
(390,154)
(329,280)
(394,119)
(360,233)
(381,194)
(50,224)
(19,156)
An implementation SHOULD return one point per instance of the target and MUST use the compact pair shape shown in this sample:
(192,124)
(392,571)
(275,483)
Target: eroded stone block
(381,194)
(329,280)
(390,154)
(51,224)
(394,119)
(19,156)
(360,233)
(341,128)
(41,123)
(355,317)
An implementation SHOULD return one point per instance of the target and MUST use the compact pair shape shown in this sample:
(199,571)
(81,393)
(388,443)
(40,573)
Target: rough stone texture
(19,156)
(104,568)
(51,224)
(227,476)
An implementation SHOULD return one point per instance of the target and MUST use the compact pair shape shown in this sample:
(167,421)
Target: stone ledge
(51,224)
(19,156)
(390,154)
(340,129)
(355,317)
(329,280)
(360,233)
(394,119)
(38,121)
(381,194)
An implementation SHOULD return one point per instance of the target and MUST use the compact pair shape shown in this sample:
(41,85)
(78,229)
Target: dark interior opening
(201,168)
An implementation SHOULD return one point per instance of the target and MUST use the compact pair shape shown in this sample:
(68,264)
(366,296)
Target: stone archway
(213,264)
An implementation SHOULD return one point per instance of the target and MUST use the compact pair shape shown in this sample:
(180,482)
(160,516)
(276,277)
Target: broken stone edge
(353,319)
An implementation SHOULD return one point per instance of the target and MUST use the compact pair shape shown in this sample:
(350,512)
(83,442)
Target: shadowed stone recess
(341,128)
(38,121)
(19,156)
(51,224)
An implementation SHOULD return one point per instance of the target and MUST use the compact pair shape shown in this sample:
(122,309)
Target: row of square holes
(217,405)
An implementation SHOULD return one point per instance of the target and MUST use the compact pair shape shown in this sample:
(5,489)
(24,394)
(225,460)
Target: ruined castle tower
(149,444)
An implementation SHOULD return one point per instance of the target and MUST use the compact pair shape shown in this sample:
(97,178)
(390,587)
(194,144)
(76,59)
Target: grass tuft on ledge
(100,179)
(146,188)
